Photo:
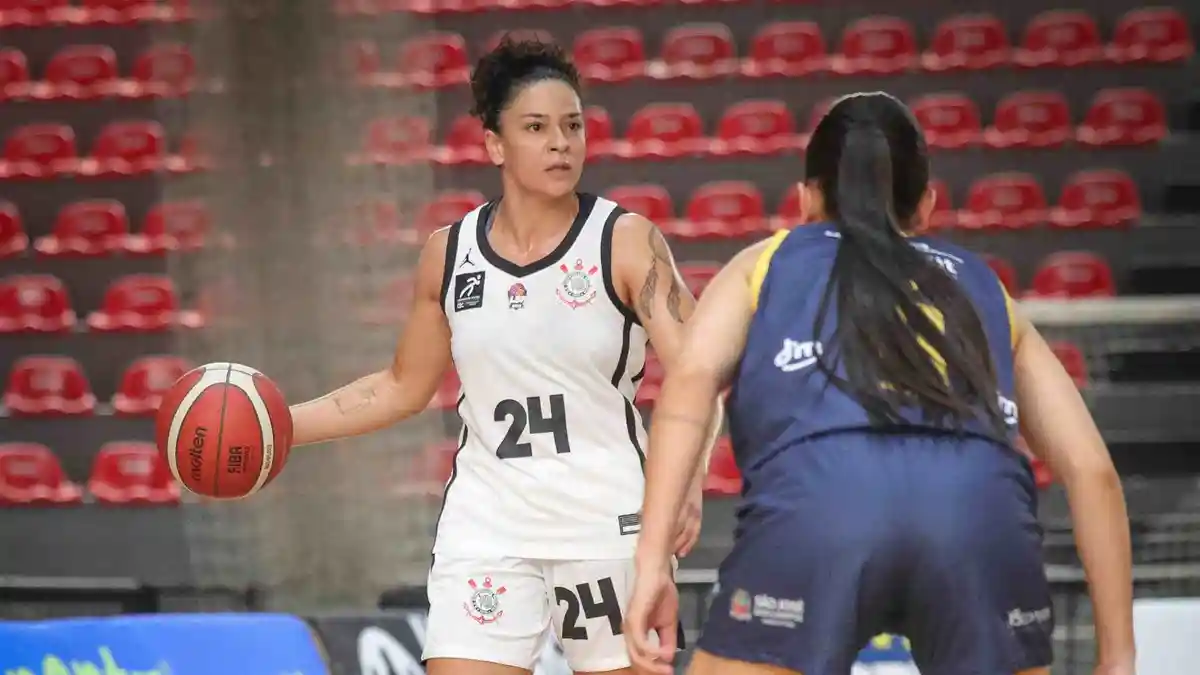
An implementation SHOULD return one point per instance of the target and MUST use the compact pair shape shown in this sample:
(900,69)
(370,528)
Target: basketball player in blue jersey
(876,381)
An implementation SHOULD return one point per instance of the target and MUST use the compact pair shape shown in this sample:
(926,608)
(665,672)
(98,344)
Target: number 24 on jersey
(530,415)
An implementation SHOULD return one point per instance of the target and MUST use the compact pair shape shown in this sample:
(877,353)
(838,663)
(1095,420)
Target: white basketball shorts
(498,610)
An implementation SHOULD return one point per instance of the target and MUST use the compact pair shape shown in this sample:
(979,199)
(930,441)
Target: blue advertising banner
(162,644)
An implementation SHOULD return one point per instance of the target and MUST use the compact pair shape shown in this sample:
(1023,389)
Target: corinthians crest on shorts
(577,288)
(484,605)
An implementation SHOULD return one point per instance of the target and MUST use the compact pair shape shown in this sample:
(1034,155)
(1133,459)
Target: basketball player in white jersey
(544,300)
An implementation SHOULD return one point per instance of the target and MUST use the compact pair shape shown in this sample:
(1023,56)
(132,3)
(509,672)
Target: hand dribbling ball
(225,430)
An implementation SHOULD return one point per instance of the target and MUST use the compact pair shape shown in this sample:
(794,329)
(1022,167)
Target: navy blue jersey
(780,398)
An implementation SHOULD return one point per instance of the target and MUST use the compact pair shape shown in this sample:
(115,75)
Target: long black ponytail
(906,333)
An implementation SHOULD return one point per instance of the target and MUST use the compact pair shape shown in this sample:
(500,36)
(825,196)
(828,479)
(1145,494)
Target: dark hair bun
(511,65)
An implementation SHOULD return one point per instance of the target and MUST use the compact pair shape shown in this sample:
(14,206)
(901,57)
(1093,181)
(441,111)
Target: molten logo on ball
(225,430)
(197,452)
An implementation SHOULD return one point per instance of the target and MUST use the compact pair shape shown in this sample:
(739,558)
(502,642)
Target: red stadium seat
(943,215)
(723,209)
(434,60)
(1102,197)
(1005,273)
(172,226)
(80,72)
(1060,38)
(118,12)
(14,74)
(397,140)
(652,379)
(968,42)
(39,151)
(141,303)
(87,229)
(651,201)
(131,472)
(756,128)
(18,13)
(1073,274)
(610,54)
(698,275)
(13,240)
(880,45)
(446,397)
(1030,119)
(950,121)
(464,142)
(1072,360)
(787,49)
(48,385)
(164,70)
(144,383)
(447,208)
(1012,200)
(1124,117)
(599,129)
(1153,35)
(696,51)
(30,475)
(661,130)
(35,303)
(127,148)
(723,478)
(521,5)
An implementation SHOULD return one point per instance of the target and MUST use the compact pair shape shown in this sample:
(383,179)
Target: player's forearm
(679,434)
(715,424)
(1102,537)
(365,405)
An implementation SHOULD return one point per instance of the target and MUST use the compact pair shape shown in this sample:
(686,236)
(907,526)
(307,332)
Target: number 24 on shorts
(580,599)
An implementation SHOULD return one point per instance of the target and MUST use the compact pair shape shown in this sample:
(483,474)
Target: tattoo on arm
(660,255)
(354,397)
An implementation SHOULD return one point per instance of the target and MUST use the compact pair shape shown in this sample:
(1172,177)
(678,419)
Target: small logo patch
(468,291)
(484,605)
(739,606)
(516,295)
(577,288)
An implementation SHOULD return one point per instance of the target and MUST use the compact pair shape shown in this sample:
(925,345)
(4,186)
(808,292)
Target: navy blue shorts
(850,536)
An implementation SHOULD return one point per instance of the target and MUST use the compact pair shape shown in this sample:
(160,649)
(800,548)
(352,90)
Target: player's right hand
(653,608)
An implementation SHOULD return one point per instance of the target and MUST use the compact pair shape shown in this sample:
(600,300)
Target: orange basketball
(225,430)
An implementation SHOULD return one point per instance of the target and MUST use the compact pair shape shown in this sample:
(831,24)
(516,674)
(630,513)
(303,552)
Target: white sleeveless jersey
(551,451)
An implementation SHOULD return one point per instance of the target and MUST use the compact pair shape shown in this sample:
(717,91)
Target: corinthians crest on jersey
(484,605)
(577,288)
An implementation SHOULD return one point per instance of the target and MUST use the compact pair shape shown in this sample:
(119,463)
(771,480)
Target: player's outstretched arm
(401,390)
(1059,429)
(711,347)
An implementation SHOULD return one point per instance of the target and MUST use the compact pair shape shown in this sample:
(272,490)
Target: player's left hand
(689,520)
(653,608)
